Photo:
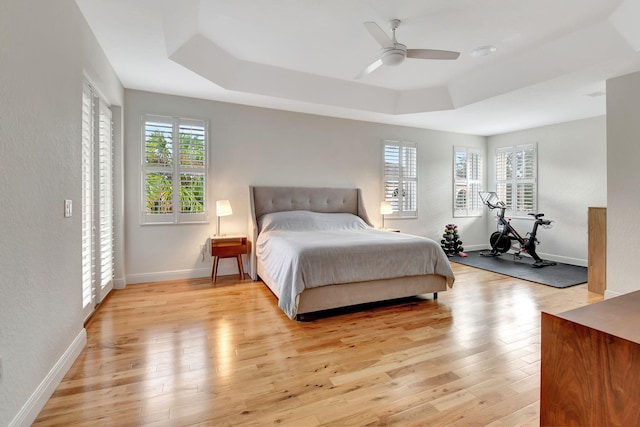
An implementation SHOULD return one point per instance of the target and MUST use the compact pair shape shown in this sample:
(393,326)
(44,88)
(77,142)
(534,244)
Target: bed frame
(330,200)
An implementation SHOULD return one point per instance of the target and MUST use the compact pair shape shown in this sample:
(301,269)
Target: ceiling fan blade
(370,69)
(378,34)
(432,54)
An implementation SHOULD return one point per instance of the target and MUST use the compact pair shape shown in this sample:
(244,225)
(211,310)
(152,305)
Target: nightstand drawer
(227,247)
(228,251)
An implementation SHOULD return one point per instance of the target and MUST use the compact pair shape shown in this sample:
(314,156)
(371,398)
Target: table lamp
(223,208)
(385,209)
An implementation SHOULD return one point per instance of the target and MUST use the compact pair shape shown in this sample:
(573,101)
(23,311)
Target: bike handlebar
(493,202)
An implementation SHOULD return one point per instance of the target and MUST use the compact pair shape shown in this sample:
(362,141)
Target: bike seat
(536,215)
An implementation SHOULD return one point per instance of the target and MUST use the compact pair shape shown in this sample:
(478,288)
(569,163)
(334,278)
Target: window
(104,202)
(87,200)
(174,170)
(467,182)
(401,177)
(516,178)
(97,199)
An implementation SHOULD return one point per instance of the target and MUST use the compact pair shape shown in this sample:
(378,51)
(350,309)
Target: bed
(316,250)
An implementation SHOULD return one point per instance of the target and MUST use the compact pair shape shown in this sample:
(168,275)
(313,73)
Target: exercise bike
(503,239)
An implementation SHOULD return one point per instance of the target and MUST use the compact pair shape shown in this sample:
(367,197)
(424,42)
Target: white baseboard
(231,268)
(550,257)
(119,283)
(564,259)
(470,248)
(41,395)
(611,294)
(162,276)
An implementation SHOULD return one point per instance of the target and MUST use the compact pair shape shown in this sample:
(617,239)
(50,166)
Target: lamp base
(218,234)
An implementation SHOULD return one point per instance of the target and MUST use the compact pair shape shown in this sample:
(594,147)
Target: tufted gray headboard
(265,200)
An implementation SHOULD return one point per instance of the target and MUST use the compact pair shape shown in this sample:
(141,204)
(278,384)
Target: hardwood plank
(191,353)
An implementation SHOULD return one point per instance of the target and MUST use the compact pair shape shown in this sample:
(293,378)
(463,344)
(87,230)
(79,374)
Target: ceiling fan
(394,53)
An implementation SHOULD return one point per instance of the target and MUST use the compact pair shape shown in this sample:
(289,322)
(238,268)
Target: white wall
(623,178)
(572,175)
(44,48)
(257,146)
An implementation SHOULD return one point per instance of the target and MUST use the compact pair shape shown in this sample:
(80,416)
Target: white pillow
(309,221)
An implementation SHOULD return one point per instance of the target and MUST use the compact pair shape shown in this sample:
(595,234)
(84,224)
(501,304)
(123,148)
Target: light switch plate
(68,208)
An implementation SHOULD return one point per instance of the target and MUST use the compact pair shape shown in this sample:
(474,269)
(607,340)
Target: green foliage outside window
(159,158)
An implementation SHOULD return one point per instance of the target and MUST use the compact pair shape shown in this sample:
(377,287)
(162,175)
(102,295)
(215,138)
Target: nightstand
(227,247)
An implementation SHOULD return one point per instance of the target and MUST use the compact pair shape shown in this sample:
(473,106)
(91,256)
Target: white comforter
(305,255)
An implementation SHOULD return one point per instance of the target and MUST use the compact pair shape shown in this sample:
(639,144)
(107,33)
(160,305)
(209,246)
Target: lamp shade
(223,208)
(385,208)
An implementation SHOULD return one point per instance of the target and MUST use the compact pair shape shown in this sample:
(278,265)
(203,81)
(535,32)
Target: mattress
(302,250)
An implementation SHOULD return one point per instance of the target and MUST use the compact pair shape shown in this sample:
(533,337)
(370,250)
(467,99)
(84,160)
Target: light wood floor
(187,353)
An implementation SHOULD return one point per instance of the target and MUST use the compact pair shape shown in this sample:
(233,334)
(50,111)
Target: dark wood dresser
(590,365)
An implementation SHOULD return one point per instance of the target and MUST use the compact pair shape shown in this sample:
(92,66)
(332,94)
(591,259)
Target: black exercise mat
(559,275)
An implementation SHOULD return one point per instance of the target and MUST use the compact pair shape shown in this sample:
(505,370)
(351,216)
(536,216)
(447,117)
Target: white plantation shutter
(391,174)
(476,177)
(158,169)
(105,199)
(87,200)
(467,181)
(97,200)
(174,170)
(504,175)
(400,177)
(192,152)
(516,178)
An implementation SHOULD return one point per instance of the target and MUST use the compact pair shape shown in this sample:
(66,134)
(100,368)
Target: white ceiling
(551,63)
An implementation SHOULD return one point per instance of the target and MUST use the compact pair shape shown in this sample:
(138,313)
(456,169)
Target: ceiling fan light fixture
(394,55)
(483,51)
